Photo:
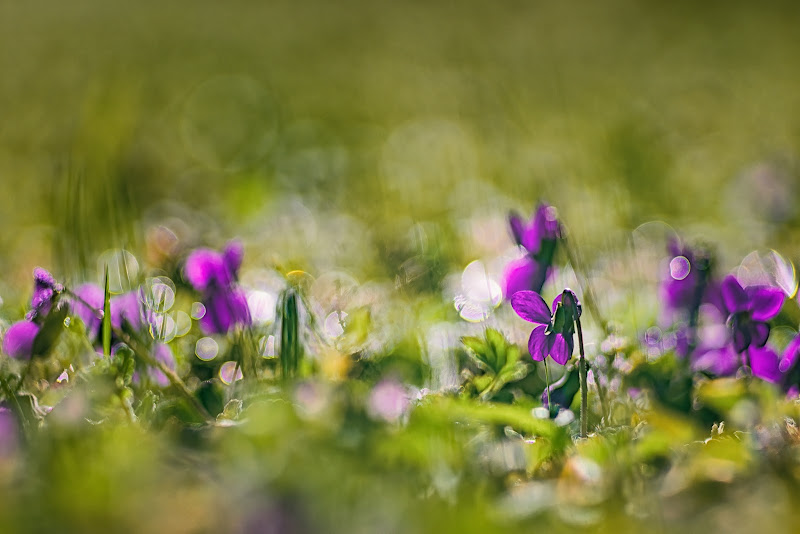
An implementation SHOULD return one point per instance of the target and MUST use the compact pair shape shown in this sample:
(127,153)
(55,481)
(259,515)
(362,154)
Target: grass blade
(106,325)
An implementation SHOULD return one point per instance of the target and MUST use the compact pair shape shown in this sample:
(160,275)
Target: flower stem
(584,386)
(547,389)
(580,275)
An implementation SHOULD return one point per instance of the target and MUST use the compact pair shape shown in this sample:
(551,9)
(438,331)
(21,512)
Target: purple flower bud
(44,289)
(232,257)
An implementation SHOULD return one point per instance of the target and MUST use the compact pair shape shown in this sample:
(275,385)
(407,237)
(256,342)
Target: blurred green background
(351,125)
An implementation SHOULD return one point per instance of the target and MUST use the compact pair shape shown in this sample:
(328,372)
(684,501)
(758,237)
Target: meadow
(399,266)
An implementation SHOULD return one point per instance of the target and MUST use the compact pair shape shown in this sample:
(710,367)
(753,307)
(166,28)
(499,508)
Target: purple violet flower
(744,340)
(18,340)
(538,238)
(555,335)
(214,275)
(748,310)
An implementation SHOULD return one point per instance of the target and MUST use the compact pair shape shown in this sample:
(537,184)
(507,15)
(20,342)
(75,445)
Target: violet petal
(517,227)
(765,302)
(790,355)
(531,306)
(764,363)
(232,258)
(719,361)
(204,267)
(537,344)
(519,275)
(759,332)
(734,296)
(560,351)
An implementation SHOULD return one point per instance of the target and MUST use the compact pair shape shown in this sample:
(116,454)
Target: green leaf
(475,344)
(497,344)
(493,352)
(106,324)
(722,393)
(50,330)
(291,349)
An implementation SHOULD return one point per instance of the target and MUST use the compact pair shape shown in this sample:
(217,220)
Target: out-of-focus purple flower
(522,275)
(743,342)
(789,368)
(18,340)
(214,275)
(224,310)
(748,310)
(555,336)
(388,401)
(725,361)
(542,227)
(87,305)
(127,306)
(765,364)
(45,288)
(538,238)
(686,283)
(163,354)
(206,268)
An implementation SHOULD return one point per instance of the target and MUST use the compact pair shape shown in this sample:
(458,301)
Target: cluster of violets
(85,303)
(212,274)
(723,328)
(732,337)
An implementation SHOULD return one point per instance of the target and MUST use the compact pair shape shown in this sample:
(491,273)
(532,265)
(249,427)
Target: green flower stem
(584,386)
(148,358)
(547,382)
(176,381)
(588,294)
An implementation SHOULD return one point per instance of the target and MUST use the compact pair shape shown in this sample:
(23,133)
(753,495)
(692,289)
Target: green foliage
(50,330)
(499,359)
